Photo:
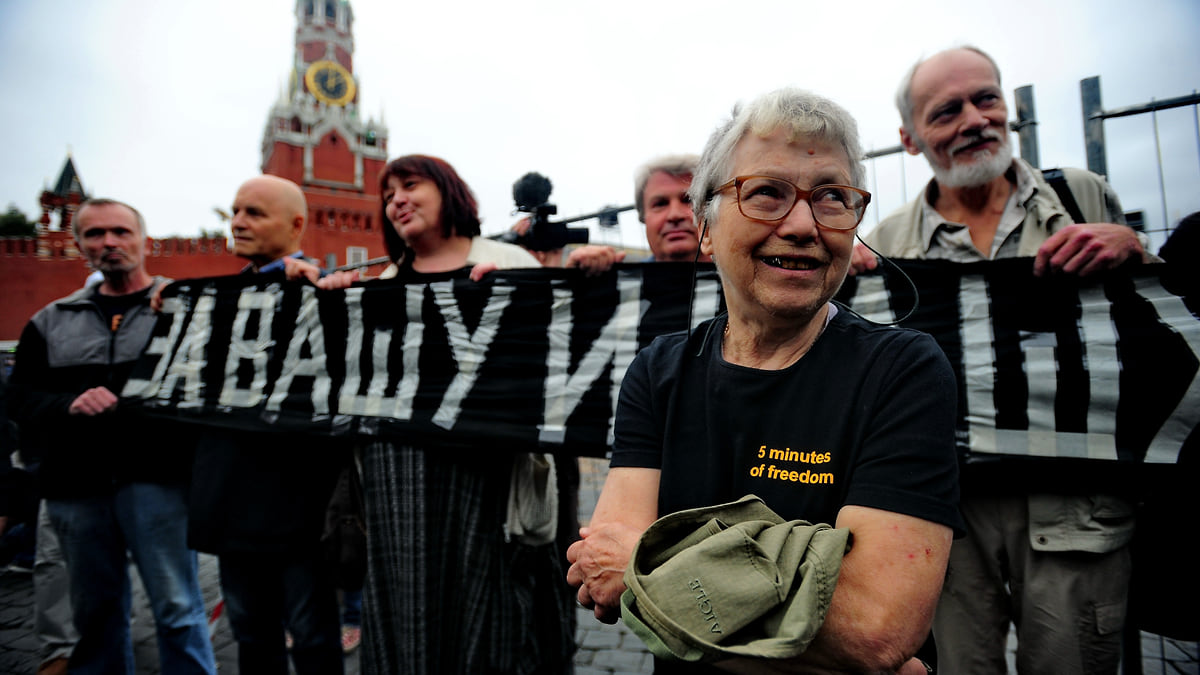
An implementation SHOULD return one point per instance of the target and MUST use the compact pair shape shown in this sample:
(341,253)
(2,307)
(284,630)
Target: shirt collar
(1026,183)
(931,220)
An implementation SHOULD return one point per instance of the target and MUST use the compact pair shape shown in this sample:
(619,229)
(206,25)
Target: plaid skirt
(445,593)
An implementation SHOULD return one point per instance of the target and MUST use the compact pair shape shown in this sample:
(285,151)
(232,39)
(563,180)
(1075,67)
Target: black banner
(1053,367)
(533,359)
(526,359)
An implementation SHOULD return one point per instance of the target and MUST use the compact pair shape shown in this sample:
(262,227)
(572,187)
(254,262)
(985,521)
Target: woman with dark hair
(447,591)
(435,221)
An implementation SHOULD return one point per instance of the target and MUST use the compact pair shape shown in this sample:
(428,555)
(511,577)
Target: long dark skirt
(445,593)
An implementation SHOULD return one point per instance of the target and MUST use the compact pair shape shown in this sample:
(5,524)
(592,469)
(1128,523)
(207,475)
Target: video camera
(531,193)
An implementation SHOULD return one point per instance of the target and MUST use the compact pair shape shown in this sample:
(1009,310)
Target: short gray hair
(801,112)
(679,166)
(904,92)
(104,201)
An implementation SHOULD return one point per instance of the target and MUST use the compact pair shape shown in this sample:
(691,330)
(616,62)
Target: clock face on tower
(330,82)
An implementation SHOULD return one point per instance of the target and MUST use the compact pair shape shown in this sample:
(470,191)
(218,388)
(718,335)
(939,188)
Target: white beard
(987,166)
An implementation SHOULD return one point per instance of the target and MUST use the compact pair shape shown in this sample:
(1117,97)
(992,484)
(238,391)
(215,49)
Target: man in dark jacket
(113,484)
(258,499)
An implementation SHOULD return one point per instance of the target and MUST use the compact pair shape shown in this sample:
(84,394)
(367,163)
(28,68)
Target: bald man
(268,221)
(258,499)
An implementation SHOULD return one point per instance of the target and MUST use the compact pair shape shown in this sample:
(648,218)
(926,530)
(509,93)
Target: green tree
(13,223)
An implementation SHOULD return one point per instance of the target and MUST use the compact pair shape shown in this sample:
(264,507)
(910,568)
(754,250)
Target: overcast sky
(163,104)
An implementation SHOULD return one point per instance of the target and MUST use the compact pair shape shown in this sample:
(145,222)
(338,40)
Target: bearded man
(983,203)
(1053,559)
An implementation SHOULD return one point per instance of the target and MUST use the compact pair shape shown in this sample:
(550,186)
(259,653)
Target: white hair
(904,92)
(801,112)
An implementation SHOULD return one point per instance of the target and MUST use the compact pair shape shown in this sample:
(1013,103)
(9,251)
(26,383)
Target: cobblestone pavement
(19,648)
(603,649)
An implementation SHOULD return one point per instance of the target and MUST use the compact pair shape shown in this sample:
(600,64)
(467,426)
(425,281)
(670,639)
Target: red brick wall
(333,160)
(341,218)
(343,57)
(371,170)
(30,281)
(286,161)
(313,51)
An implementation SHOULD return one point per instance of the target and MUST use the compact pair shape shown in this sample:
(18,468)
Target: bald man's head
(268,219)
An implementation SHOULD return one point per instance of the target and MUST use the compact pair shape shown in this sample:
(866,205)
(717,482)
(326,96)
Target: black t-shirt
(866,417)
(114,306)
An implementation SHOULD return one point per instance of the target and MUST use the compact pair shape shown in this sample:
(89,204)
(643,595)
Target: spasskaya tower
(316,137)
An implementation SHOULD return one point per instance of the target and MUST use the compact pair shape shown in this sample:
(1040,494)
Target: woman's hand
(481,269)
(626,507)
(598,561)
(336,280)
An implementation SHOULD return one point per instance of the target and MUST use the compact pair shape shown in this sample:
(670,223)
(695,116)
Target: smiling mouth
(976,145)
(801,264)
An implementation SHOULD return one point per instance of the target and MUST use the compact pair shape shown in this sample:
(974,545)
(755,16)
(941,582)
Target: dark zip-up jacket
(67,348)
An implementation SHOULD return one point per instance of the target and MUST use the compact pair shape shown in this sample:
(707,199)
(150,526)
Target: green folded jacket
(732,580)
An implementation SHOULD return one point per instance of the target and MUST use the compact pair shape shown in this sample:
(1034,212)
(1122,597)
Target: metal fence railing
(1094,116)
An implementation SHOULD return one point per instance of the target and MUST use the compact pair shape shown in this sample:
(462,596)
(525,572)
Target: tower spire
(315,136)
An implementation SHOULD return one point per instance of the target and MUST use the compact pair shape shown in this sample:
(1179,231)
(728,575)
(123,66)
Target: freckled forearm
(883,605)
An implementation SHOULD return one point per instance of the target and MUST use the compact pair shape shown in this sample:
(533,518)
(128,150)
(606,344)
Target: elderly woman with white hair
(787,385)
